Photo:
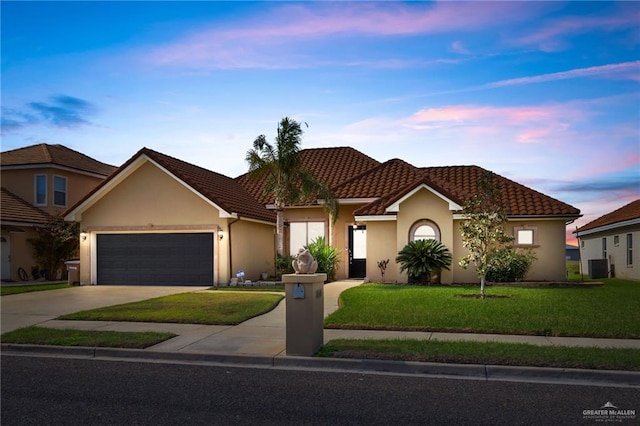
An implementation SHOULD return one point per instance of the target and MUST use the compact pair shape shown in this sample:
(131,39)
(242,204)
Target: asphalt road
(48,391)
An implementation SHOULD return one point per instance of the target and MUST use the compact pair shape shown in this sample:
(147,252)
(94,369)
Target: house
(573,252)
(383,206)
(608,242)
(39,181)
(159,220)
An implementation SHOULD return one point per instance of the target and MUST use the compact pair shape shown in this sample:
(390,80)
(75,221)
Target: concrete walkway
(260,342)
(263,335)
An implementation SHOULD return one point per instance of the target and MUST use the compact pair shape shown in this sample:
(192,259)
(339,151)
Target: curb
(472,371)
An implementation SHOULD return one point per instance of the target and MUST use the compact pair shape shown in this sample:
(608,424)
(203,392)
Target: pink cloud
(628,69)
(550,37)
(267,41)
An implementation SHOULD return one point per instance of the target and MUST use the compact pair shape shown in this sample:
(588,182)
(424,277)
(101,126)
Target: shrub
(283,265)
(508,265)
(422,258)
(326,256)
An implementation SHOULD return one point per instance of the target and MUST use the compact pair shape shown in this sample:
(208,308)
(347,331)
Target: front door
(5,253)
(357,251)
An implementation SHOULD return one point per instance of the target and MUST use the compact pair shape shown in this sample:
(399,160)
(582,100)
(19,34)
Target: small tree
(57,241)
(421,258)
(482,228)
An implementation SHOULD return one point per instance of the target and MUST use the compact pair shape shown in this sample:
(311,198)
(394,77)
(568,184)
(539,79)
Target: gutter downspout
(230,247)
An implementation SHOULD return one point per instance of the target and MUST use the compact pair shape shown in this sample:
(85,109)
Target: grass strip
(69,337)
(18,289)
(277,288)
(606,311)
(495,353)
(215,308)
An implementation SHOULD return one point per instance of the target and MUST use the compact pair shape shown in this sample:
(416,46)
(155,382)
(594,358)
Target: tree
(482,228)
(421,258)
(286,180)
(57,241)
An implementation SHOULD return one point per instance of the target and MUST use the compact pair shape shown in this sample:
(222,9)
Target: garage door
(155,259)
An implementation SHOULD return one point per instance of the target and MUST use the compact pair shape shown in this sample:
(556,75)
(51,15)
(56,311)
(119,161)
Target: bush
(422,258)
(327,257)
(508,265)
(283,266)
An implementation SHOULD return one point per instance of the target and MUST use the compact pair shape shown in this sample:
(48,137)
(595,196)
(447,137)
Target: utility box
(73,272)
(304,296)
(598,269)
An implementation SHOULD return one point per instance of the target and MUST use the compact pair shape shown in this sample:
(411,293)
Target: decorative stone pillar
(304,295)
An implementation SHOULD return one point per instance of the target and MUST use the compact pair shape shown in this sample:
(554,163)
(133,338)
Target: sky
(543,93)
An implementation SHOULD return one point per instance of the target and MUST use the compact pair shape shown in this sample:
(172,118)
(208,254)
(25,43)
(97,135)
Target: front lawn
(493,353)
(68,337)
(607,311)
(215,308)
(7,290)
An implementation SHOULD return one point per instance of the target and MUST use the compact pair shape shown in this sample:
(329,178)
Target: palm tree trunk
(280,231)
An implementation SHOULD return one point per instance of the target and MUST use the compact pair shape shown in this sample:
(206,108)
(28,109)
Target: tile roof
(628,212)
(54,154)
(15,209)
(351,174)
(395,178)
(330,166)
(221,190)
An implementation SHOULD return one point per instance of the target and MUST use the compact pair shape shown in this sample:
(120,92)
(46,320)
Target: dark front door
(357,251)
(155,259)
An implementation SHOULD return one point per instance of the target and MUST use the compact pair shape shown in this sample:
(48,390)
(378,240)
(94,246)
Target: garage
(155,259)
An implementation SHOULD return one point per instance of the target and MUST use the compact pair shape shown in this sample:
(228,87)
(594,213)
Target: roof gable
(626,213)
(222,192)
(59,155)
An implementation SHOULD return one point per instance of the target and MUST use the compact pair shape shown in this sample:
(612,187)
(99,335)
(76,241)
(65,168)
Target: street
(43,391)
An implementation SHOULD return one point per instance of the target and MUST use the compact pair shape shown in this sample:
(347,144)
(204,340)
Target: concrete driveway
(23,310)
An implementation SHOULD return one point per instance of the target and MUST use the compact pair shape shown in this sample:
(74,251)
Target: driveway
(23,310)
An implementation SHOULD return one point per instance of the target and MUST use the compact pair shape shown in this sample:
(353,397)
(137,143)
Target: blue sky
(544,93)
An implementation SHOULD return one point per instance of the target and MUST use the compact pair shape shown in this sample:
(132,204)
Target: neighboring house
(613,239)
(39,181)
(159,220)
(573,252)
(383,206)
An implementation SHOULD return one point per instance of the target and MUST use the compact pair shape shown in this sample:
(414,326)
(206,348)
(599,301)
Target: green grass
(7,290)
(277,287)
(68,337)
(219,308)
(485,353)
(606,311)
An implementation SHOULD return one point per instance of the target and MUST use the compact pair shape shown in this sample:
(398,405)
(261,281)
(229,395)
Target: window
(302,233)
(616,240)
(60,191)
(629,249)
(41,190)
(604,248)
(526,236)
(424,230)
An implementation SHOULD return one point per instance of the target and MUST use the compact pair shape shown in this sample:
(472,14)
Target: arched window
(424,230)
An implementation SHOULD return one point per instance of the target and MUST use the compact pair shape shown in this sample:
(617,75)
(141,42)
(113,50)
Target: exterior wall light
(220,233)
(83,236)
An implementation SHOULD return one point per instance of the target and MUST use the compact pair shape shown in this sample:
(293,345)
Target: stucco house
(160,220)
(39,181)
(613,238)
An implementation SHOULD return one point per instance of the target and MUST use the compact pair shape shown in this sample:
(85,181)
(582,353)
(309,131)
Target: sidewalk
(262,340)
(265,334)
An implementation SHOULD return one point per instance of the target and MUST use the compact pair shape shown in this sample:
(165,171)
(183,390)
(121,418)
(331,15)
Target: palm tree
(286,180)
(421,258)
